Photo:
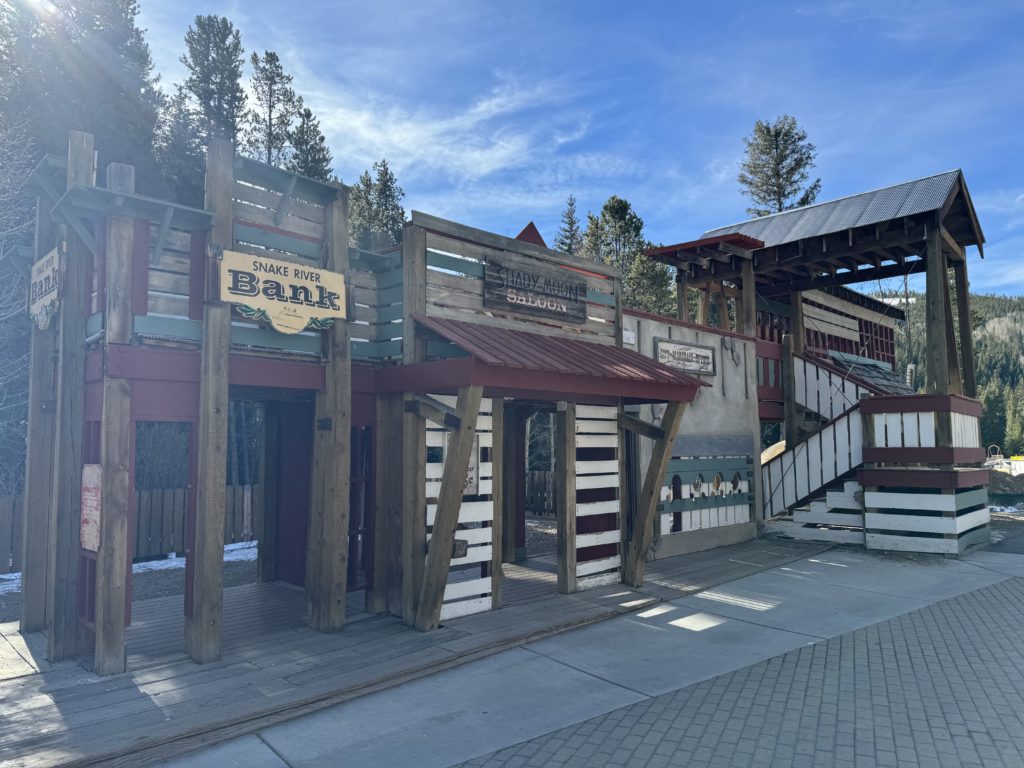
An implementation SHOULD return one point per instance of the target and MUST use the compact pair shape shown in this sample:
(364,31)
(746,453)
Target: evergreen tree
(590,246)
(179,151)
(360,212)
(388,213)
(375,212)
(775,172)
(86,67)
(570,237)
(213,58)
(310,155)
(1013,442)
(993,412)
(268,123)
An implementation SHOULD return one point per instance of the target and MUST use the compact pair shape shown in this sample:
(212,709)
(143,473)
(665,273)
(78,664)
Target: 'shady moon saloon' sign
(44,289)
(291,297)
(514,285)
(691,358)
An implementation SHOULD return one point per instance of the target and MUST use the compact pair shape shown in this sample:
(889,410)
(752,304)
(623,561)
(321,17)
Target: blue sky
(492,114)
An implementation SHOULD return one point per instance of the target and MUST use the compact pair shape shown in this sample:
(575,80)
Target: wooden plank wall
(598,536)
(455,290)
(468,589)
(12,516)
(167,285)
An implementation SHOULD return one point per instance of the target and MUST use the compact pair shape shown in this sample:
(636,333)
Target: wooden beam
(936,356)
(203,627)
(433,410)
(66,494)
(565,495)
(797,329)
(723,309)
(963,308)
(497,497)
(747,324)
(682,310)
(790,419)
(38,451)
(650,493)
(846,278)
(513,454)
(327,549)
(954,249)
(266,533)
(113,560)
(956,382)
(449,502)
(641,427)
(703,305)
(386,593)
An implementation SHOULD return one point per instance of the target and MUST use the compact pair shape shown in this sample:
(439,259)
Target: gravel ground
(541,534)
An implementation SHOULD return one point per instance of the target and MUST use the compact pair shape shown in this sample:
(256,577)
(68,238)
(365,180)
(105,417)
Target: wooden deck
(274,667)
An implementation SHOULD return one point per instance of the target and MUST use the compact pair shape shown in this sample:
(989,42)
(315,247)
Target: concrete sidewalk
(572,678)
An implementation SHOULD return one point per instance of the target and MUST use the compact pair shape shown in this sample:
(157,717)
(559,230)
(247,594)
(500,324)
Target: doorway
(529,531)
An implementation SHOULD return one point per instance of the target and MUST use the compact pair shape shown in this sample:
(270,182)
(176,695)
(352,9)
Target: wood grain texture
(439,552)
(497,498)
(936,355)
(565,496)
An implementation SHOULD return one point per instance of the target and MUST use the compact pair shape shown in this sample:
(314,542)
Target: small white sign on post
(92,489)
(44,293)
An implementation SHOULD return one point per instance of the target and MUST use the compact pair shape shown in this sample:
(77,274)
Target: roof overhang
(520,364)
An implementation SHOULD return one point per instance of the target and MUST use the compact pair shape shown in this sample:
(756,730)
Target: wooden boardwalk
(274,667)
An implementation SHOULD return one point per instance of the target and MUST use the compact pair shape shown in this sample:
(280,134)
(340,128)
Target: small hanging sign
(691,358)
(92,488)
(44,289)
(291,297)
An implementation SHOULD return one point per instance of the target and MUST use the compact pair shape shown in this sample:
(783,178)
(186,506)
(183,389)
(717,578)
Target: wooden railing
(922,429)
(823,390)
(803,470)
(770,394)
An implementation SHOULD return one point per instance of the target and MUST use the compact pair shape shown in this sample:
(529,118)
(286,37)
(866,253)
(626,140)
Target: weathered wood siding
(598,493)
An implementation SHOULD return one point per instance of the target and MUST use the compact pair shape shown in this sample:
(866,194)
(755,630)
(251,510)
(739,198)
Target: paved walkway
(845,658)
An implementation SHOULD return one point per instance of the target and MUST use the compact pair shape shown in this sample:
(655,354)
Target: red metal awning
(517,363)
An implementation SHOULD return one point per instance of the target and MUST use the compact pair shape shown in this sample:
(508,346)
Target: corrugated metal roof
(905,199)
(503,347)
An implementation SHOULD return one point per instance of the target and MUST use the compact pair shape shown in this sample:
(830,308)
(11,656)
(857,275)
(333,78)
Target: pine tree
(268,123)
(776,169)
(86,67)
(388,213)
(590,246)
(570,237)
(213,58)
(179,152)
(360,212)
(1013,442)
(310,155)
(993,412)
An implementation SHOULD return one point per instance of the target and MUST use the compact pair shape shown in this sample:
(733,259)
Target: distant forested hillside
(997,323)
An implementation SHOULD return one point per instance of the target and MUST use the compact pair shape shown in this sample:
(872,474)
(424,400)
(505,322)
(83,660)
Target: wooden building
(396,386)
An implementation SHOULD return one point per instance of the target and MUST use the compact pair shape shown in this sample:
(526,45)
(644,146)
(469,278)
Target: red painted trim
(911,403)
(769,350)
(771,411)
(363,379)
(364,409)
(923,478)
(165,401)
(453,373)
(924,455)
(94,365)
(93,402)
(140,268)
(197,275)
(270,372)
(683,324)
(152,363)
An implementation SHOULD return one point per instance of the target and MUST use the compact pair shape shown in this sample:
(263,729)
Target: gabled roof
(531,234)
(881,205)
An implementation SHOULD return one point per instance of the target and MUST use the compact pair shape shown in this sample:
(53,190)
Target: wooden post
(682,310)
(510,502)
(936,356)
(266,532)
(963,308)
(747,324)
(704,305)
(386,593)
(114,558)
(791,430)
(449,502)
(414,441)
(39,451)
(565,495)
(66,496)
(497,496)
(797,330)
(327,554)
(203,627)
(956,382)
(650,493)
(723,308)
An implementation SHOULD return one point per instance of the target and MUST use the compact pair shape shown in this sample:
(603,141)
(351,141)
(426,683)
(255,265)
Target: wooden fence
(540,492)
(159,527)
